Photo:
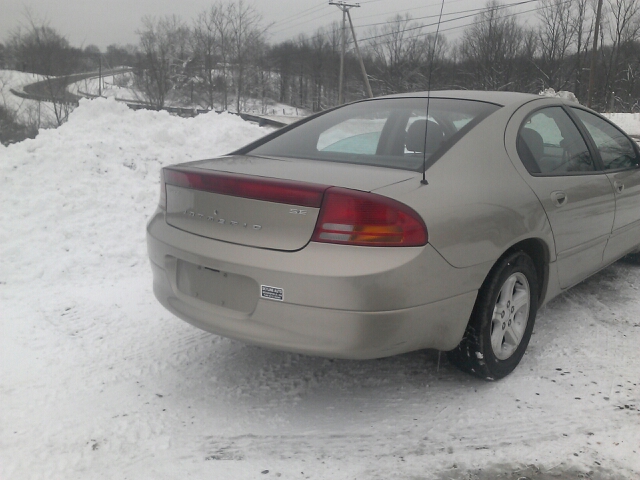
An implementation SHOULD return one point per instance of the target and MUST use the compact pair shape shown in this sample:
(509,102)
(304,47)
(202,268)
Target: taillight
(358,218)
(247,186)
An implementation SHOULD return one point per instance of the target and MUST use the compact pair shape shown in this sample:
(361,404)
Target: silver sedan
(399,223)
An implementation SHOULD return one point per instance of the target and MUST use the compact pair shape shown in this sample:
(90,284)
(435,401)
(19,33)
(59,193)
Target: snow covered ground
(98,381)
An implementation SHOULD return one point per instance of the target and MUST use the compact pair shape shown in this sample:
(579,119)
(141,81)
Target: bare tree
(399,51)
(3,56)
(117,55)
(584,31)
(164,45)
(247,35)
(623,30)
(222,22)
(321,67)
(206,46)
(40,49)
(557,35)
(490,46)
(282,58)
(12,129)
(307,69)
(212,45)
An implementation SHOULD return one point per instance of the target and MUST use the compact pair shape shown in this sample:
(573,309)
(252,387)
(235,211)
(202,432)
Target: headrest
(415,136)
(534,141)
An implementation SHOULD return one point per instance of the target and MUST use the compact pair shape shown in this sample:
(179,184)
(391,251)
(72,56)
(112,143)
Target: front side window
(549,143)
(615,148)
(392,133)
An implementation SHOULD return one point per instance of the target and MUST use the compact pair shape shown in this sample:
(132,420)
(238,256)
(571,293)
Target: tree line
(222,59)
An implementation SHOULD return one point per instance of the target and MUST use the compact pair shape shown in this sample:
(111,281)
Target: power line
(448,14)
(465,25)
(490,9)
(300,14)
(470,24)
(410,9)
(319,7)
(459,17)
(457,27)
(304,13)
(321,4)
(506,16)
(302,23)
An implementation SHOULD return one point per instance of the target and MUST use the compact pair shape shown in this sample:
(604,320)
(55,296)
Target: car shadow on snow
(266,372)
(257,372)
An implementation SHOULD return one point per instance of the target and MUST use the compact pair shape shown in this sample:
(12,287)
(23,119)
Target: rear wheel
(502,320)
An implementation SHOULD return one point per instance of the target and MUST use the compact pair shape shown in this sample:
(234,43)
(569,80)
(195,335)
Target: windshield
(383,132)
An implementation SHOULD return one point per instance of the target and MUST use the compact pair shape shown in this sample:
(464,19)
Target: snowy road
(98,381)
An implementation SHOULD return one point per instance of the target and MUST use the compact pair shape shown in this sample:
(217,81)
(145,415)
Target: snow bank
(629,122)
(81,193)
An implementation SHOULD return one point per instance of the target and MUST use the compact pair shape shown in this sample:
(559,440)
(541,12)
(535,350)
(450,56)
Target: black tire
(475,354)
(633,258)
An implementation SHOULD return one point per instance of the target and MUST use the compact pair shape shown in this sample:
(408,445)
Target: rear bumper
(342,302)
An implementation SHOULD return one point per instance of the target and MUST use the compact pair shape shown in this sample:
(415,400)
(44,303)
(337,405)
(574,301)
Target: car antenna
(426,125)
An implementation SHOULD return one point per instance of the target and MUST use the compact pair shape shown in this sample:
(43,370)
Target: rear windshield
(384,132)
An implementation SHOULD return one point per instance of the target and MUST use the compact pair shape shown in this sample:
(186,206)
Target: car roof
(499,98)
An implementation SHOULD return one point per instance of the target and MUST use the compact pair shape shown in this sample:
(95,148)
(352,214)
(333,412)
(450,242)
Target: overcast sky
(105,22)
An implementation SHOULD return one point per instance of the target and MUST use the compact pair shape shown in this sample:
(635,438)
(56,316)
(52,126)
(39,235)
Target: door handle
(619,186)
(558,198)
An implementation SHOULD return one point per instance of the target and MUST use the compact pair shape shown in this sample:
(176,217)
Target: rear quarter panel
(476,205)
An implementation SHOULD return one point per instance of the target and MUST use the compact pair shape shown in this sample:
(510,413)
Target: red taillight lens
(358,218)
(246,186)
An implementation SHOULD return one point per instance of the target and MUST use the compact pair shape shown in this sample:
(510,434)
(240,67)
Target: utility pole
(345,7)
(594,52)
(364,71)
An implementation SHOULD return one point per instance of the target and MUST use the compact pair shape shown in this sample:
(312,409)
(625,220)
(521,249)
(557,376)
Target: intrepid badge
(221,221)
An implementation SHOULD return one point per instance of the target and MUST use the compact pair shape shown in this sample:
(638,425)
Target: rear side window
(392,133)
(615,148)
(549,143)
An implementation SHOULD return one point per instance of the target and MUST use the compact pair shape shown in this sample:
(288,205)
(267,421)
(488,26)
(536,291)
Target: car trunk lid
(261,202)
